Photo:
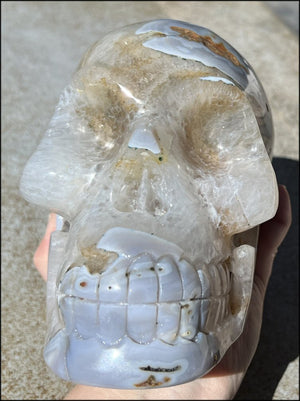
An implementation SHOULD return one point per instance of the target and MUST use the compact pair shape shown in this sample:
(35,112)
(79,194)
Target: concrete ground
(42,43)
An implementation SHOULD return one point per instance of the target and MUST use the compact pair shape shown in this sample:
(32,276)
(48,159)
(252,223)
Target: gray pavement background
(287,11)
(42,43)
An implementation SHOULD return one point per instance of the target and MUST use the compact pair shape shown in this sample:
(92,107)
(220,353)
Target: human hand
(223,381)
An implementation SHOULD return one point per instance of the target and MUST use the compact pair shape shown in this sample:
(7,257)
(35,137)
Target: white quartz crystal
(155,161)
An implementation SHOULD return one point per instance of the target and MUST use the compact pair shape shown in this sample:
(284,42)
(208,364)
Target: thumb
(40,258)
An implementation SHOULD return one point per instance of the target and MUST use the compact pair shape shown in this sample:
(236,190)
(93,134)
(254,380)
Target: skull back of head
(157,163)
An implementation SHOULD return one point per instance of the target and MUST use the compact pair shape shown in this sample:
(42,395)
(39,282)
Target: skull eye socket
(105,111)
(212,126)
(215,124)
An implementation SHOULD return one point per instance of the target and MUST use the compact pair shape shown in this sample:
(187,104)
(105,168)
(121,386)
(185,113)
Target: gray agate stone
(157,164)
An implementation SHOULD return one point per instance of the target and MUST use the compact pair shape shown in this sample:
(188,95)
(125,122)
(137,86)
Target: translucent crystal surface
(156,161)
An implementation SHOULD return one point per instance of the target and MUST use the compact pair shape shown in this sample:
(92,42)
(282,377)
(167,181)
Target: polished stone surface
(208,178)
(34,71)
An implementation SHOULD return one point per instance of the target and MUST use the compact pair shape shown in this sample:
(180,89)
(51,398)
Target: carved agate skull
(157,163)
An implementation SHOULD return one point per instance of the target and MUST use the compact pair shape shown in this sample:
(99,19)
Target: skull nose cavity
(143,138)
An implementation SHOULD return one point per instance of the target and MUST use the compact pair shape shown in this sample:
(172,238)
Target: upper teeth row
(144,300)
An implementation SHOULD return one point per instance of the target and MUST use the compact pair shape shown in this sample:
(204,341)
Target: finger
(40,258)
(271,235)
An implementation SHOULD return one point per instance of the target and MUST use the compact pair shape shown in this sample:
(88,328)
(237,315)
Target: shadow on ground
(279,341)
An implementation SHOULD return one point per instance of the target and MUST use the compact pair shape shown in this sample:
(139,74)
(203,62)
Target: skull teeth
(145,301)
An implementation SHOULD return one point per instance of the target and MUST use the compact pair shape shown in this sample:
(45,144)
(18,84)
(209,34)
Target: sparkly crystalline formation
(156,162)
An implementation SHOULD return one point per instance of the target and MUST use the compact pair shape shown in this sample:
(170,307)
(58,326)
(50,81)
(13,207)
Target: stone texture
(209,148)
(34,73)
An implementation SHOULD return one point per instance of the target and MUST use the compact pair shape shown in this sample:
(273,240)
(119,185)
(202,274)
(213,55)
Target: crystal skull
(157,164)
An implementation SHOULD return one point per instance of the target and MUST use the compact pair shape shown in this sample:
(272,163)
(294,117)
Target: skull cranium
(156,161)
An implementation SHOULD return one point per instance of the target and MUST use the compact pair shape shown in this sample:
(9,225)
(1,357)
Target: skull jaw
(130,365)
